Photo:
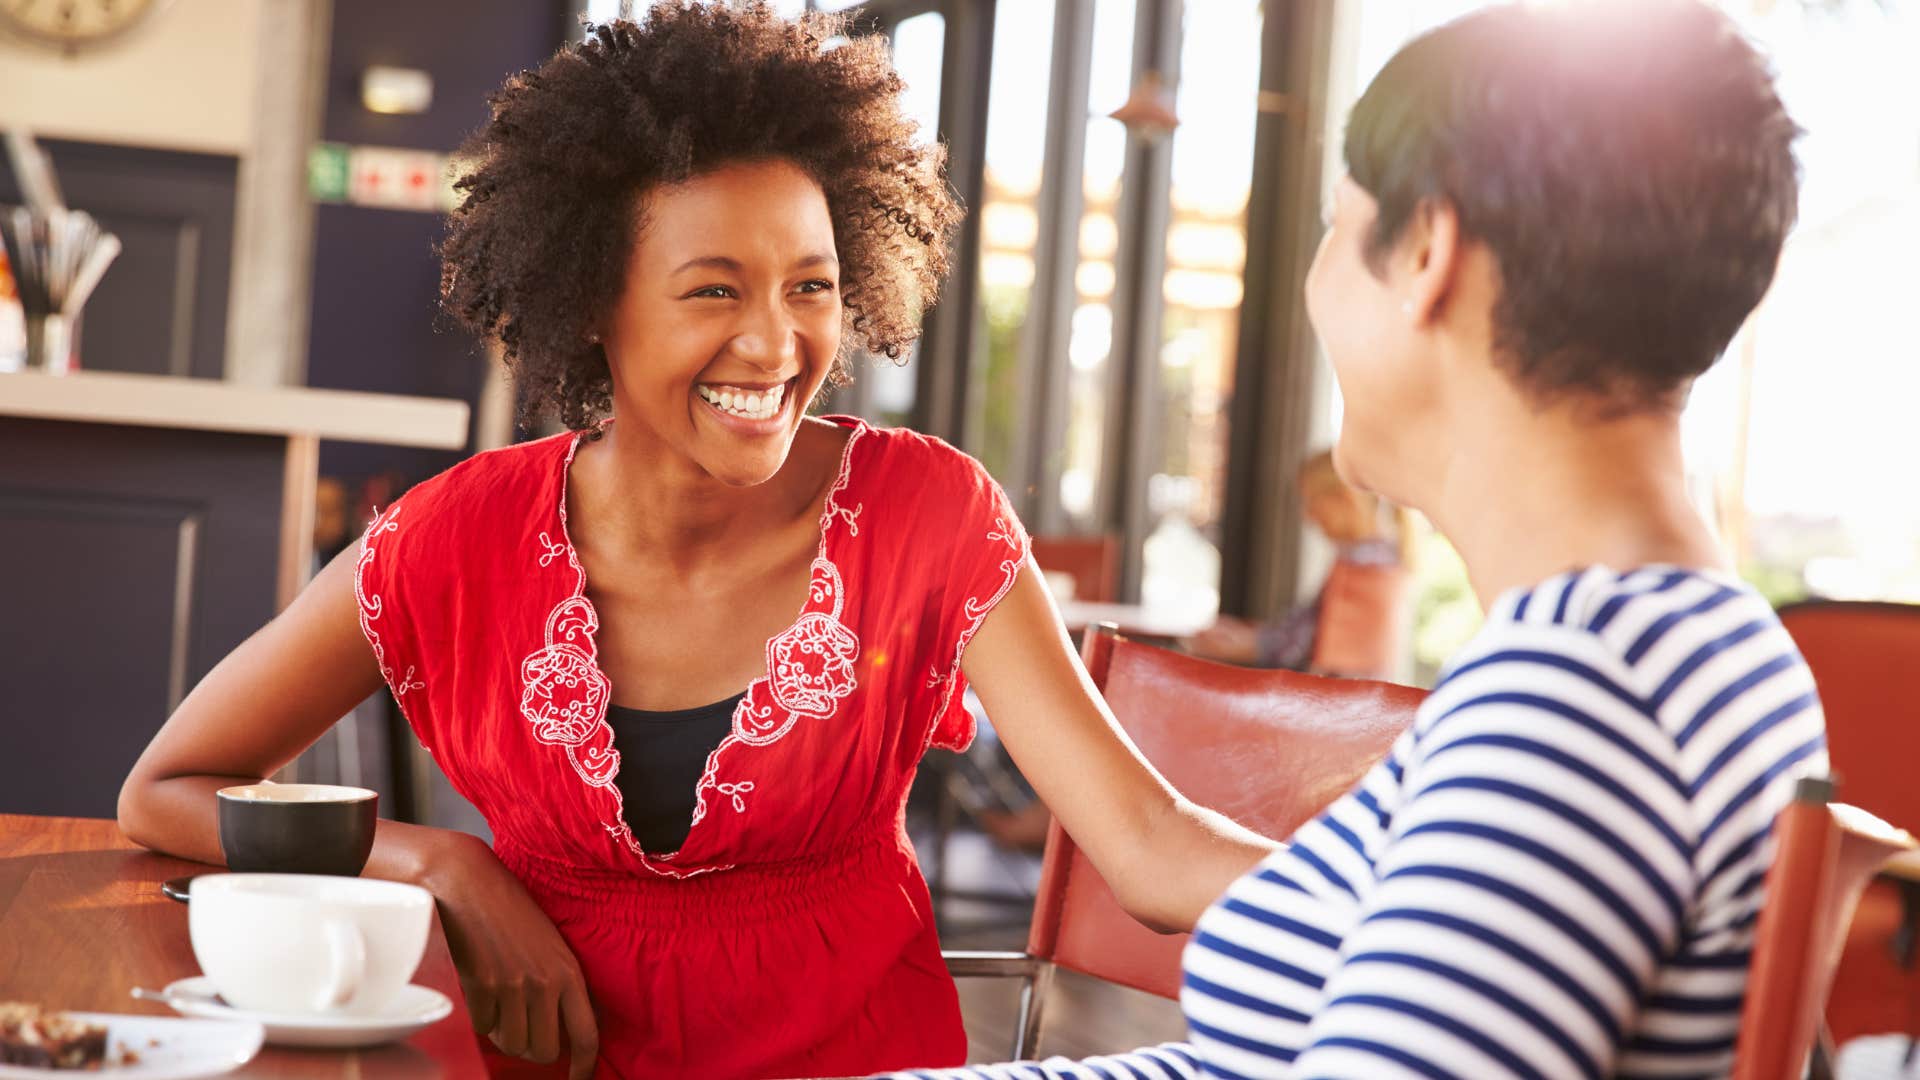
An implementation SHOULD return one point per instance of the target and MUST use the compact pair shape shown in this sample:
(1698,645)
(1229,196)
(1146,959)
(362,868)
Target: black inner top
(662,755)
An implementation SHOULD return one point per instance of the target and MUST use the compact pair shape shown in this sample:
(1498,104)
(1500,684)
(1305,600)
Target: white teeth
(754,405)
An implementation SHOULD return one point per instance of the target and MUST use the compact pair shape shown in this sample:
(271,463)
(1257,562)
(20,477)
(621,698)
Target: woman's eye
(719,292)
(817,285)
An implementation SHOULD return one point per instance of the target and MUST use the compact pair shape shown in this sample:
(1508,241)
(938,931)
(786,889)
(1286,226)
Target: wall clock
(73,25)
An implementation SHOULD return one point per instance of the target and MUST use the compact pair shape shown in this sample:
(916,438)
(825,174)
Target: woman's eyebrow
(710,262)
(727,262)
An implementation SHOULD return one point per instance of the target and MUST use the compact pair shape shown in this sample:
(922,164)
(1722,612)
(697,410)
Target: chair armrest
(972,963)
(1035,976)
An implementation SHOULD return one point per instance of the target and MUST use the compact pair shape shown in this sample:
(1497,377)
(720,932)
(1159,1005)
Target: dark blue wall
(375,276)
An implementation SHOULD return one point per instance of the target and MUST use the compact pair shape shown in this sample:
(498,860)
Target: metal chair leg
(1820,1060)
(945,816)
(1033,1000)
(1906,950)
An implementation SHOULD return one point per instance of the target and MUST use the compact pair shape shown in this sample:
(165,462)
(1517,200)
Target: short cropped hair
(1627,162)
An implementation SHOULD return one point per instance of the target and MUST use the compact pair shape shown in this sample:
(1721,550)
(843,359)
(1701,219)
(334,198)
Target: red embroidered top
(791,935)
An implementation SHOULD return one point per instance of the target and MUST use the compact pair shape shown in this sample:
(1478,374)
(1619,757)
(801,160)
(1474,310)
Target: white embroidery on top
(976,609)
(810,671)
(735,791)
(851,517)
(809,664)
(371,605)
(564,694)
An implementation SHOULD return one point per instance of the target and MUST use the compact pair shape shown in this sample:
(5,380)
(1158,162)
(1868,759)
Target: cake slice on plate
(30,1035)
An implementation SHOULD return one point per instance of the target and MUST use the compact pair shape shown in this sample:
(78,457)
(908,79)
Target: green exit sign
(327,172)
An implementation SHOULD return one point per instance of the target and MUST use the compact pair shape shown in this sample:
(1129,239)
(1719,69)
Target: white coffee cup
(308,944)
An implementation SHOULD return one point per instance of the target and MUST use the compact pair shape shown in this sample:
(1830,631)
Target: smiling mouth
(746,402)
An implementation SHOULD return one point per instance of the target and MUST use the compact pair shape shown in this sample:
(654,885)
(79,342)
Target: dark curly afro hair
(553,185)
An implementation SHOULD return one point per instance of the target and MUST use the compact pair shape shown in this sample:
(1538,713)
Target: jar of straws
(58,256)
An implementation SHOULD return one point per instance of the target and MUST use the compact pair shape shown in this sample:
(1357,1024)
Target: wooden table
(82,922)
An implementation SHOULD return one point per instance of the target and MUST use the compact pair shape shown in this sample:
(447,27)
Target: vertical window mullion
(1044,338)
(1133,420)
(940,405)
(1271,414)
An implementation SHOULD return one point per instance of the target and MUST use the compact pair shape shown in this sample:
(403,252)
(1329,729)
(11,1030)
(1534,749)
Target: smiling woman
(555,207)
(731,313)
(685,656)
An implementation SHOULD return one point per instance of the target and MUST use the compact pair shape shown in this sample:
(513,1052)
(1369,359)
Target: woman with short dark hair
(1556,216)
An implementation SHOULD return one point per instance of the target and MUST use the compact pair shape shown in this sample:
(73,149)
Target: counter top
(210,405)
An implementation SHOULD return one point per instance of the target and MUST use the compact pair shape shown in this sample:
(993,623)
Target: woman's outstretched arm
(1166,858)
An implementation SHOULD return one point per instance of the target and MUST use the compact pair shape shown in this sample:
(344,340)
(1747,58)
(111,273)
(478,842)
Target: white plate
(413,1008)
(166,1048)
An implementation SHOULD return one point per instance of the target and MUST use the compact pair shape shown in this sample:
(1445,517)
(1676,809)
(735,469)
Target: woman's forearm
(180,816)
(258,709)
(1165,858)
(1191,855)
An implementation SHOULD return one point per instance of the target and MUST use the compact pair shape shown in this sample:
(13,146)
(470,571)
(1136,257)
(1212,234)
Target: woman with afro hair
(686,655)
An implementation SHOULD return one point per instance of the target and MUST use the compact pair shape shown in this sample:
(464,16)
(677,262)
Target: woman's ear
(1429,257)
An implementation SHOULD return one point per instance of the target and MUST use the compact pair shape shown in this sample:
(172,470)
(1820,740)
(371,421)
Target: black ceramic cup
(297,828)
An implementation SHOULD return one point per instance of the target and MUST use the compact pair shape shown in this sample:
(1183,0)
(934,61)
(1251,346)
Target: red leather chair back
(1866,661)
(1269,749)
(1825,855)
(1094,562)
(1365,610)
(1864,658)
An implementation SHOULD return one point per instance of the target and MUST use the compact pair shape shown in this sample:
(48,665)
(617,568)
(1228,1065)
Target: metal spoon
(168,997)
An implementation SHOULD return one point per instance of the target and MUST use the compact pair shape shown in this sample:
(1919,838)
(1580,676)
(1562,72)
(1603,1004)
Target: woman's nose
(768,339)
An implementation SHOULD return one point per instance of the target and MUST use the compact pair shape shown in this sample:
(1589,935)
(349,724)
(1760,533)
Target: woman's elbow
(1158,922)
(1184,861)
(1145,895)
(132,810)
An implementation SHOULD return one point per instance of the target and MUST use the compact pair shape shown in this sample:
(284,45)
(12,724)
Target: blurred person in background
(1355,626)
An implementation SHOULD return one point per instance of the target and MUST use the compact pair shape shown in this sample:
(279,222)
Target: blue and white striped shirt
(1556,872)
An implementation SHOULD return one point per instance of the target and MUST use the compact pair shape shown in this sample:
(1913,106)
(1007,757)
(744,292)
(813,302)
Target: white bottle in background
(1180,567)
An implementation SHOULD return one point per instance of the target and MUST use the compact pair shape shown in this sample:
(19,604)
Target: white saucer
(162,1048)
(413,1008)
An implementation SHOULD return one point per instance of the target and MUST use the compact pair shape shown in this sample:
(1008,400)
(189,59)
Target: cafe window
(884,390)
(1799,439)
(1009,222)
(1091,328)
(1201,289)
(1792,437)
(1060,358)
